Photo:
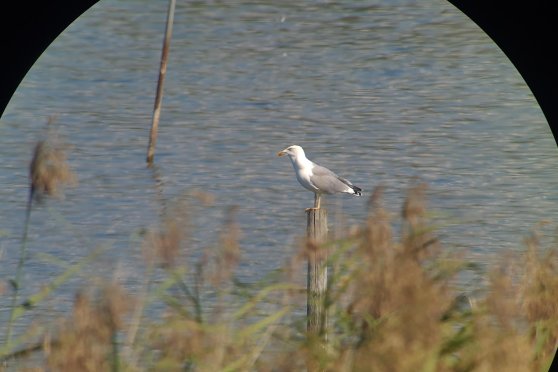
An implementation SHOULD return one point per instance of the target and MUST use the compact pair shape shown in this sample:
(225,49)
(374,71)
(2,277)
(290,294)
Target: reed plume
(48,173)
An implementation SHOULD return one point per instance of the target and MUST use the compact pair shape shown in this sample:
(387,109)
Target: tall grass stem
(16,284)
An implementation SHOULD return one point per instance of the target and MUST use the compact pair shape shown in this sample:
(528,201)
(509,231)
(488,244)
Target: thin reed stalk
(137,314)
(115,350)
(16,283)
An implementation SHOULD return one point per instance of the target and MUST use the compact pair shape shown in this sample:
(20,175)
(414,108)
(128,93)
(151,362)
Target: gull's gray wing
(327,181)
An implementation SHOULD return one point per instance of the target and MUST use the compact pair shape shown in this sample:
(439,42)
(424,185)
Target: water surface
(380,92)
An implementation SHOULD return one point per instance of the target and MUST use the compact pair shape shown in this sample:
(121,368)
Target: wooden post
(317,272)
(160,83)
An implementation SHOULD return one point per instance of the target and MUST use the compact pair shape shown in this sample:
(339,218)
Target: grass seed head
(49,170)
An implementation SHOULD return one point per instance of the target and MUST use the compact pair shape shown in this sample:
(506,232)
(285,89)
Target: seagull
(316,178)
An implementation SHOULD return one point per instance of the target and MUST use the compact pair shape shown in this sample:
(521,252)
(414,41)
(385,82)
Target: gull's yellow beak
(281,153)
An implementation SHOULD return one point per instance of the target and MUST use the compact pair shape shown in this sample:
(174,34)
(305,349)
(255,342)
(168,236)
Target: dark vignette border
(527,34)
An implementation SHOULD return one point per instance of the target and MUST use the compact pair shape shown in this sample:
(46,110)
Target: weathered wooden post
(160,83)
(317,272)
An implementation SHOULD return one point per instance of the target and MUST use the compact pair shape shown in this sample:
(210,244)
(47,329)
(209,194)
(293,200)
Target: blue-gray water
(380,92)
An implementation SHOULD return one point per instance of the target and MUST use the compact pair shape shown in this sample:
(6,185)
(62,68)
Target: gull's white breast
(303,175)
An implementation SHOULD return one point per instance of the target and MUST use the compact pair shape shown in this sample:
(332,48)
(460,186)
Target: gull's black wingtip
(357,190)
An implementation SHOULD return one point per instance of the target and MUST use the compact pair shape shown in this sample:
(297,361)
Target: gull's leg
(316,202)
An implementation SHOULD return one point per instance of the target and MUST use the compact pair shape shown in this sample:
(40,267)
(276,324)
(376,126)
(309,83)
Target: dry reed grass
(392,303)
(85,341)
(49,170)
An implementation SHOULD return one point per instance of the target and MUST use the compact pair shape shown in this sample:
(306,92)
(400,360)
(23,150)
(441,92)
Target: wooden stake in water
(317,271)
(159,95)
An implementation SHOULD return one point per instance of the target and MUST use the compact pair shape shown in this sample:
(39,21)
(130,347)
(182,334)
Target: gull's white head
(293,151)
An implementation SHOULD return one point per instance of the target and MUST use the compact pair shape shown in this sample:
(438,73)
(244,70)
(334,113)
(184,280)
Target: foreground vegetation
(392,304)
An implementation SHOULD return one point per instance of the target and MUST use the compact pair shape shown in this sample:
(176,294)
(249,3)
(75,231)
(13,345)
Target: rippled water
(380,92)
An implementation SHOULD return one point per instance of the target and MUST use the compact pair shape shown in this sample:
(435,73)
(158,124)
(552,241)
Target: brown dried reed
(85,341)
(49,170)
(393,306)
